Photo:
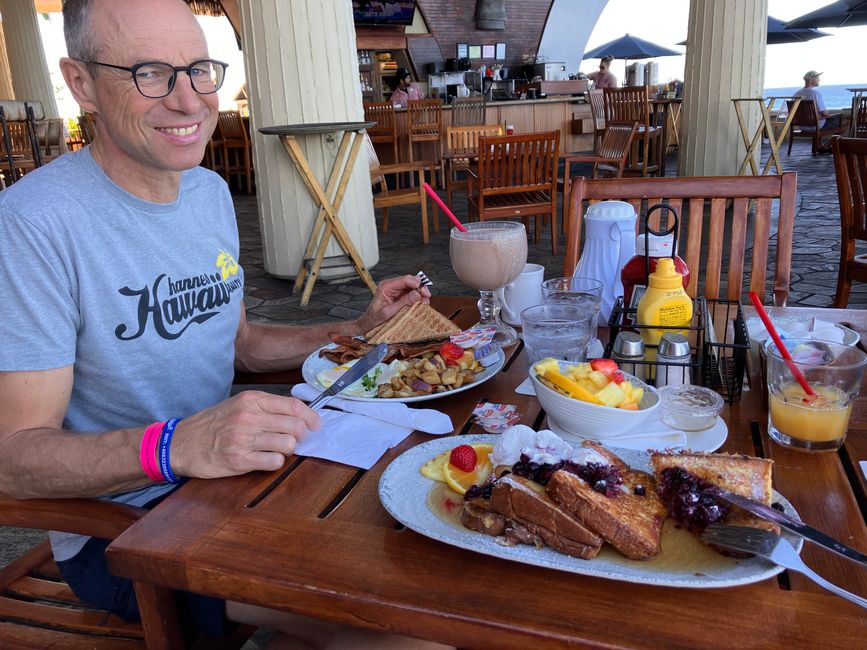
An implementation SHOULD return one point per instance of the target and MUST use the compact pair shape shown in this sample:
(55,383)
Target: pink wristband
(148,452)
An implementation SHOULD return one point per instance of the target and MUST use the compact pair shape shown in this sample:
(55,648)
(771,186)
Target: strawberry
(606,366)
(618,377)
(464,458)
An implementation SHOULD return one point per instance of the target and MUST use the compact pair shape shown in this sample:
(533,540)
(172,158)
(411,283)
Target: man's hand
(390,296)
(250,431)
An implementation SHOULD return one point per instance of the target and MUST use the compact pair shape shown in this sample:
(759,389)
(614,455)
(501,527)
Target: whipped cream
(544,447)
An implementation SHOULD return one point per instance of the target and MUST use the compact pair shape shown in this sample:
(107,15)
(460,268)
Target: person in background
(405,90)
(124,317)
(826,120)
(604,78)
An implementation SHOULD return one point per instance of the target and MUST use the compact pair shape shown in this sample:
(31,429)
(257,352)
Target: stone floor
(814,268)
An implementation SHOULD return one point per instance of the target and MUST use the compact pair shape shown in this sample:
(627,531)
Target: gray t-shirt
(143,299)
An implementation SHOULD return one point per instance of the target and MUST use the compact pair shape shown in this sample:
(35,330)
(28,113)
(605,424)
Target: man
(603,78)
(405,90)
(826,120)
(123,305)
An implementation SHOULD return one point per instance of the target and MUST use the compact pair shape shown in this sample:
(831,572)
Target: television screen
(383,12)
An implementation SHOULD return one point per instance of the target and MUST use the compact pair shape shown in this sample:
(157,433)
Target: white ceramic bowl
(593,421)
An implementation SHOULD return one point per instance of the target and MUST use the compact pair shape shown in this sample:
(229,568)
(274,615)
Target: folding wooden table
(857,94)
(753,146)
(328,200)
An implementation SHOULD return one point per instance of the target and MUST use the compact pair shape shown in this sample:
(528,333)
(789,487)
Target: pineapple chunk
(580,370)
(611,395)
(598,378)
(546,365)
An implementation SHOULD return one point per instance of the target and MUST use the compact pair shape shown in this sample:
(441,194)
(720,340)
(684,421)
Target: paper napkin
(361,432)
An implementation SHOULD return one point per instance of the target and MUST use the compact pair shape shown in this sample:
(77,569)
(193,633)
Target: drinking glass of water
(558,330)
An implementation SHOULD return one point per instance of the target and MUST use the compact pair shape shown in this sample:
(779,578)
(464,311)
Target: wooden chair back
(87,127)
(850,167)
(232,129)
(465,139)
(632,104)
(861,118)
(597,109)
(805,124)
(385,130)
(424,125)
(376,175)
(713,210)
(615,146)
(236,157)
(468,111)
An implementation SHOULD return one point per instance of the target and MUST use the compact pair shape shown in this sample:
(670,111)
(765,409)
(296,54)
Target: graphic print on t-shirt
(173,304)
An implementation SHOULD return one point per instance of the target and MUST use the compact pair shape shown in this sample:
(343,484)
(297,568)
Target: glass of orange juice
(834,371)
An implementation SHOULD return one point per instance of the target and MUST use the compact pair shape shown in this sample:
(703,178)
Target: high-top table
(321,544)
(753,144)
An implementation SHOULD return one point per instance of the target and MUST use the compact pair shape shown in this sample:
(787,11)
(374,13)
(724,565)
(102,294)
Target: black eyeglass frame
(133,69)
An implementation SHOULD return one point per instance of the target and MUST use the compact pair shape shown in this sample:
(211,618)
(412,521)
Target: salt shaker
(673,360)
(627,349)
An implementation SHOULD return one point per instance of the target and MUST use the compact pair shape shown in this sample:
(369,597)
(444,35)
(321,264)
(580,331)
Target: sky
(840,56)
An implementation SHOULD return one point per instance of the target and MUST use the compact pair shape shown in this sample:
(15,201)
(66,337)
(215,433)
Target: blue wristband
(165,445)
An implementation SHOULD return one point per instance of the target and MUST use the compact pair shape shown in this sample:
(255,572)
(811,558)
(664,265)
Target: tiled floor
(814,268)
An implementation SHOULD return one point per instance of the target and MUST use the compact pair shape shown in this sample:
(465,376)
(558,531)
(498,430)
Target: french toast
(524,501)
(413,324)
(620,505)
(687,482)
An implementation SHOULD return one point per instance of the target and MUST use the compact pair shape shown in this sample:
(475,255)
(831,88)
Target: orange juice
(823,420)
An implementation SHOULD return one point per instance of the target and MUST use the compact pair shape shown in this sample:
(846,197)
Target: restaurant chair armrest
(93,517)
(399,168)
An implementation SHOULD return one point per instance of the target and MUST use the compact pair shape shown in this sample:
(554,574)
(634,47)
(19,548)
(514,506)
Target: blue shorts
(87,575)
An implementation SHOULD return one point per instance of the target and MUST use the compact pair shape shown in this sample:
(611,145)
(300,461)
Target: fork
(772,547)
(424,281)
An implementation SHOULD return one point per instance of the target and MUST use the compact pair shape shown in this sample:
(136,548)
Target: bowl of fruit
(593,400)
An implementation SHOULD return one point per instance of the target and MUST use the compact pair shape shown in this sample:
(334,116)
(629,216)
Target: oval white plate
(314,364)
(403,491)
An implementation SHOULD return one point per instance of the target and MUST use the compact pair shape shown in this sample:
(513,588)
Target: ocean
(835,96)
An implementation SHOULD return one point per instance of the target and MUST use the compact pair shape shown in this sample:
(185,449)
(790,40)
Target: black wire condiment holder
(717,334)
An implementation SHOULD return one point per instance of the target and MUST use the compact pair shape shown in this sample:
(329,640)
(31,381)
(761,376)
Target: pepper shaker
(673,359)
(628,348)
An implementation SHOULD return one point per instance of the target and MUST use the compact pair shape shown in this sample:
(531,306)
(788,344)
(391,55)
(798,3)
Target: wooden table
(328,201)
(321,544)
(669,114)
(855,125)
(766,125)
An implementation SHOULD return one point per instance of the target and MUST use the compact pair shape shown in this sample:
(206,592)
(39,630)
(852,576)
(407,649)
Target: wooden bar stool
(425,125)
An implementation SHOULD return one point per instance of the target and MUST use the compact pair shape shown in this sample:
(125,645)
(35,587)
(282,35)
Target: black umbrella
(630,47)
(778,34)
(844,13)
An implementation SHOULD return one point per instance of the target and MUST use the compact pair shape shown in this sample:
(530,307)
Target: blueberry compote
(602,478)
(693,502)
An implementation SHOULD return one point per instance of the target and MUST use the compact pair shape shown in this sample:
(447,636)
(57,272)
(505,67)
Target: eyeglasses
(155,79)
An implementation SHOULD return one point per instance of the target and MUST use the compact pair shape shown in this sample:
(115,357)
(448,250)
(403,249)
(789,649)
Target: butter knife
(794,526)
(360,368)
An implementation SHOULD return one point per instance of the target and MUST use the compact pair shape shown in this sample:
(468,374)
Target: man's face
(135,132)
(405,82)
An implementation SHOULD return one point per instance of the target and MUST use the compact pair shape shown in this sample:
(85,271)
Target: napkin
(795,328)
(361,432)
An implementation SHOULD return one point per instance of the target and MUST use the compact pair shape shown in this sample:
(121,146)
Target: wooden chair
(597,109)
(517,177)
(387,198)
(50,135)
(462,145)
(39,610)
(17,151)
(425,125)
(385,131)
(235,149)
(850,166)
(469,111)
(700,201)
(805,124)
(860,126)
(87,127)
(632,104)
(608,163)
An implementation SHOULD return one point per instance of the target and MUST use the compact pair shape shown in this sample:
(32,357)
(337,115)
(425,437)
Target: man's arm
(264,348)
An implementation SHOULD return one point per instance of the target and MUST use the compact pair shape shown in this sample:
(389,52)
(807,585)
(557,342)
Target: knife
(360,368)
(794,526)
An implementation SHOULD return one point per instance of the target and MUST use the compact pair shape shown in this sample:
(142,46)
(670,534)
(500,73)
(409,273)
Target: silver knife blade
(794,526)
(356,372)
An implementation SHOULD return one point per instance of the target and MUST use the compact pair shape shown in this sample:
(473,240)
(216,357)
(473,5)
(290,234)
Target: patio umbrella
(778,34)
(630,47)
(844,13)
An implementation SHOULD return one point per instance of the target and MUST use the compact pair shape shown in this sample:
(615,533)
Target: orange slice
(571,387)
(459,480)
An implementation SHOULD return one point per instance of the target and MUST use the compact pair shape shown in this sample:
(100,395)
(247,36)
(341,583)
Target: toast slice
(524,501)
(628,516)
(413,324)
(686,481)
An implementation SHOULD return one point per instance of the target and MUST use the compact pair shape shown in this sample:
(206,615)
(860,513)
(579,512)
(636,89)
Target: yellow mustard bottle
(664,303)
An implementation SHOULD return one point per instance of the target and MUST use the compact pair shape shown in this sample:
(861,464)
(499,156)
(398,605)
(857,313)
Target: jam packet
(495,418)
(474,337)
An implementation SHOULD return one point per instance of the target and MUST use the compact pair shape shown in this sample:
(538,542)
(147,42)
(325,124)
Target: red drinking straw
(784,351)
(444,207)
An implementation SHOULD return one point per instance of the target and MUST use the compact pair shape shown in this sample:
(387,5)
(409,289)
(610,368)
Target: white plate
(850,336)
(314,364)
(683,562)
(707,440)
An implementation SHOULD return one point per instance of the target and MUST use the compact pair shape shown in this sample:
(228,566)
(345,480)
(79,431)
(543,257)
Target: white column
(30,78)
(302,68)
(725,59)
(6,91)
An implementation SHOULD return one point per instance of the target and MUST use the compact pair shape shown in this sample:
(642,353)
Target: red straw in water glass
(784,351)
(444,207)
